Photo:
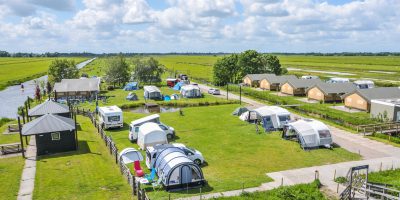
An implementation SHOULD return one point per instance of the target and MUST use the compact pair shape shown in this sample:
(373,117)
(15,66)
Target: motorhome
(110,117)
(338,80)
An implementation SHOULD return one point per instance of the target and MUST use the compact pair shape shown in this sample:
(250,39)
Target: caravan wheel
(169,136)
(197,161)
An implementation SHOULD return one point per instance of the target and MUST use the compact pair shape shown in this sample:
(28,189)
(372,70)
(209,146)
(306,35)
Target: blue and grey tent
(178,86)
(131,86)
(177,171)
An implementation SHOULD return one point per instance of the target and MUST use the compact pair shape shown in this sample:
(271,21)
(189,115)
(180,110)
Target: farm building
(329,92)
(191,91)
(85,88)
(386,109)
(177,171)
(253,80)
(53,134)
(361,98)
(273,82)
(49,107)
(152,92)
(298,87)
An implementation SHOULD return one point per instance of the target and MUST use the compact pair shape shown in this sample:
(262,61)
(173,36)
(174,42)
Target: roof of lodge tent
(334,88)
(258,77)
(279,79)
(302,83)
(48,123)
(48,107)
(377,93)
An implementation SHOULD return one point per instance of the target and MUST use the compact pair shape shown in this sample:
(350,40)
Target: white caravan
(151,134)
(134,127)
(338,80)
(272,117)
(110,117)
(364,84)
(309,77)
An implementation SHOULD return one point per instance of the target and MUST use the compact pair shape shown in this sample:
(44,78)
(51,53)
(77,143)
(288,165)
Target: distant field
(16,70)
(373,67)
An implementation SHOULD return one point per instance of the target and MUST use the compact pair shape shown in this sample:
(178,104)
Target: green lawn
(235,154)
(8,138)
(89,173)
(391,177)
(10,170)
(16,70)
(296,192)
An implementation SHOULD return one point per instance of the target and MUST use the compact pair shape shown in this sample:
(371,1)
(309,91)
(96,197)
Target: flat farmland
(16,70)
(377,68)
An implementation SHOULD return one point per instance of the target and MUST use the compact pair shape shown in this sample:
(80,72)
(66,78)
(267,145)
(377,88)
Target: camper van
(309,133)
(272,117)
(338,80)
(134,127)
(364,84)
(110,117)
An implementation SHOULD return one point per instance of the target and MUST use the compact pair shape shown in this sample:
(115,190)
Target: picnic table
(10,148)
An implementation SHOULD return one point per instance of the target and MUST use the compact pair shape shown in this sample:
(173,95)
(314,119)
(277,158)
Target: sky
(156,26)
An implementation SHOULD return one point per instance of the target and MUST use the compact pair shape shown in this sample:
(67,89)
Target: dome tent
(239,111)
(130,155)
(177,171)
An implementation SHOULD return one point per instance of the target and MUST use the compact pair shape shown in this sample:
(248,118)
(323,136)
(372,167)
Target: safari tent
(152,92)
(131,86)
(49,107)
(329,92)
(177,171)
(191,91)
(273,82)
(151,134)
(130,155)
(253,80)
(298,87)
(272,117)
(309,133)
(361,98)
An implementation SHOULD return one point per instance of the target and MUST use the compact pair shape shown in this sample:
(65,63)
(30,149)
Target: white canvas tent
(310,133)
(130,155)
(177,171)
(151,134)
(272,117)
(190,91)
(152,92)
(248,116)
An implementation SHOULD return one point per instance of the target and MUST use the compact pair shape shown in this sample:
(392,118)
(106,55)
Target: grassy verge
(236,156)
(8,138)
(89,173)
(10,170)
(298,192)
(391,177)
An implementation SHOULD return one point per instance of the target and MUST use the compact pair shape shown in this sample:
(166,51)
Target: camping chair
(157,184)
(150,177)
(138,170)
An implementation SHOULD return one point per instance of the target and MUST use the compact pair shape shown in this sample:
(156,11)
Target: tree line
(232,68)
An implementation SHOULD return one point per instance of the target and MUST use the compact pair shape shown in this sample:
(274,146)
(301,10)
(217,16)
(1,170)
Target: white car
(133,132)
(214,91)
(193,154)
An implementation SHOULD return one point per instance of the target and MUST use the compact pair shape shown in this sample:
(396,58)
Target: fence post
(116,154)
(282,182)
(334,175)
(380,168)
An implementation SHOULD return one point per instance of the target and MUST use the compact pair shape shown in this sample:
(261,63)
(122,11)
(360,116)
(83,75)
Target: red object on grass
(138,170)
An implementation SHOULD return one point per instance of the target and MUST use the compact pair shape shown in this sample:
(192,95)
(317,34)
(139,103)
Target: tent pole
(76,132)
(20,137)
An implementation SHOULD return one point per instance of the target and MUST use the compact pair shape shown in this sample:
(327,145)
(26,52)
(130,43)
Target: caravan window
(114,118)
(363,86)
(284,118)
(324,134)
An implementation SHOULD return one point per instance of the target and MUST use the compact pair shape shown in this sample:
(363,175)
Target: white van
(110,117)
(134,127)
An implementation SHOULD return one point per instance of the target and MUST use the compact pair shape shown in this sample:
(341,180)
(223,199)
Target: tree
(227,70)
(273,65)
(37,93)
(117,70)
(251,62)
(62,69)
(48,88)
(148,71)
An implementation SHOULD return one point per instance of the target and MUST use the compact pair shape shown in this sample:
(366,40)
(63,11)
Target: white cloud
(61,5)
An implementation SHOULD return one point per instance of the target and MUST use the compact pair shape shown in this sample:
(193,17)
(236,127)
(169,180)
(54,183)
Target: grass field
(391,177)
(298,192)
(235,154)
(8,138)
(10,170)
(16,70)
(89,173)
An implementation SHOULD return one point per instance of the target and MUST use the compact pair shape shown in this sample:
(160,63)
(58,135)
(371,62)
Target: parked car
(214,91)
(193,154)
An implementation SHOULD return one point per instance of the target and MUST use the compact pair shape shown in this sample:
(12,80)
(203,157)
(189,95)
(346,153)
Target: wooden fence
(383,128)
(113,150)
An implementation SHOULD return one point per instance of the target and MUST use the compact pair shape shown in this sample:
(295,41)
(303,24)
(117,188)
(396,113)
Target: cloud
(137,12)
(18,7)
(60,5)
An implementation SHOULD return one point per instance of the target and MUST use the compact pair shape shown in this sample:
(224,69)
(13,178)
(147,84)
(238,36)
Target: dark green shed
(53,134)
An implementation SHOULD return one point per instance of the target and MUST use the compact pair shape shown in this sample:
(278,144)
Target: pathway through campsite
(28,174)
(377,155)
